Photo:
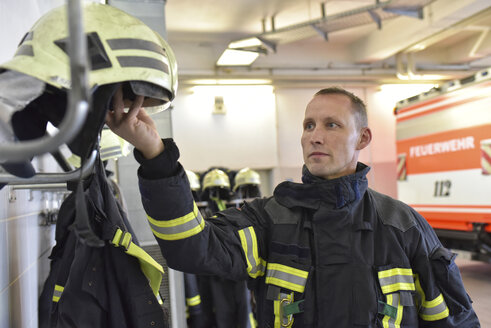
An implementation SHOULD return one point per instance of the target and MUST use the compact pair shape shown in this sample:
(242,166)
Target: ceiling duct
(376,13)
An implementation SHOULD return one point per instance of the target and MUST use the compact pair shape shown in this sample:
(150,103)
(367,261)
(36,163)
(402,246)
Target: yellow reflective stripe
(193,301)
(150,268)
(179,228)
(388,322)
(57,292)
(433,310)
(287,269)
(277,317)
(437,301)
(255,264)
(286,277)
(397,287)
(400,310)
(221,204)
(395,272)
(252,320)
(385,320)
(396,279)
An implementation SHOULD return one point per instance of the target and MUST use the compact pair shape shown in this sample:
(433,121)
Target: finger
(109,119)
(118,103)
(144,117)
(135,107)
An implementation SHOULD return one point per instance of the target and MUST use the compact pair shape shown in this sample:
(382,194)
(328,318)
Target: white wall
(16,18)
(244,136)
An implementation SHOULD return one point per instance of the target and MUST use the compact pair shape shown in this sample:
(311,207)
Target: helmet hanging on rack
(193,180)
(216,178)
(120,48)
(246,183)
(122,51)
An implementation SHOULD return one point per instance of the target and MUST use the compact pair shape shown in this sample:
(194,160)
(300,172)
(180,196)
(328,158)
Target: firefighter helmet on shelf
(246,176)
(216,178)
(121,48)
(193,180)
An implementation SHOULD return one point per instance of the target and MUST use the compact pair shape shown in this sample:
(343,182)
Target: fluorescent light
(229,81)
(245,43)
(231,57)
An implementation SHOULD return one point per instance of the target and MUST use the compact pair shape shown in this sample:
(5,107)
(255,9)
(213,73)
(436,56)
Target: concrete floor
(477,281)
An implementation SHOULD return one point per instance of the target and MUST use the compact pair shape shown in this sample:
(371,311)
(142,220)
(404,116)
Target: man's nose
(316,136)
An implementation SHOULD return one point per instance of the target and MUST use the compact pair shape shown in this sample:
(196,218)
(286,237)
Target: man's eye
(332,125)
(308,126)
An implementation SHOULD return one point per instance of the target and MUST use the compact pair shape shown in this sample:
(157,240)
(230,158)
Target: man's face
(331,138)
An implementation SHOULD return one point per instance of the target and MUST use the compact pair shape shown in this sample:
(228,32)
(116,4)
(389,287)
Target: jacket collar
(314,191)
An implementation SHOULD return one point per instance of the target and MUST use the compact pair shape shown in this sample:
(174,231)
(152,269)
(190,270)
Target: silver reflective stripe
(434,310)
(286,277)
(396,280)
(395,303)
(179,228)
(255,265)
(108,149)
(388,322)
(105,155)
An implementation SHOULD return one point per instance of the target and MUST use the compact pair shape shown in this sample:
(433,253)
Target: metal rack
(78,107)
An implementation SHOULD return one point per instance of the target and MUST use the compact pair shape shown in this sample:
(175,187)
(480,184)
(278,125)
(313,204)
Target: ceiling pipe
(401,72)
(484,32)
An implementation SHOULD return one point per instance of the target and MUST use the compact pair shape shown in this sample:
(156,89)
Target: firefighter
(99,276)
(328,252)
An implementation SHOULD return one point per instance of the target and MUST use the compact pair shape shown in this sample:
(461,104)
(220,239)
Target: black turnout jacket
(323,253)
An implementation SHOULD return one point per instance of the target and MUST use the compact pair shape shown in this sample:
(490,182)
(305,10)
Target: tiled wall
(25,244)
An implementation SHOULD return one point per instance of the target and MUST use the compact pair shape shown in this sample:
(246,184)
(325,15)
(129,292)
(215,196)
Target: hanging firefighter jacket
(225,300)
(325,253)
(112,284)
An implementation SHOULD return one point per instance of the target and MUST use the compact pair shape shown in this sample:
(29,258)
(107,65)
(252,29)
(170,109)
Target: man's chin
(318,170)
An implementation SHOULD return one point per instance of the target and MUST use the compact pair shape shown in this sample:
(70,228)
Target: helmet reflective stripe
(139,61)
(246,176)
(216,178)
(126,43)
(25,50)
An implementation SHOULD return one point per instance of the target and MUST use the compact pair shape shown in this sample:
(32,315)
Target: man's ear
(365,138)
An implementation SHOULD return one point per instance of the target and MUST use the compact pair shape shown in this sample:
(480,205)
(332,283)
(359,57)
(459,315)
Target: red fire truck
(444,161)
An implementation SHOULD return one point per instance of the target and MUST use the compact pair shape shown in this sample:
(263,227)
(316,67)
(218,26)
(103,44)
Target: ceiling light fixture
(233,57)
(244,52)
(230,82)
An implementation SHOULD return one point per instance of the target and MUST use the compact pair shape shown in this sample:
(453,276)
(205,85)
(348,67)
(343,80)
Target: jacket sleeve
(443,301)
(190,243)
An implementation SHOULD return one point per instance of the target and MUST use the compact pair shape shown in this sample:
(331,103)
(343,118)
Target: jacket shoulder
(281,214)
(393,212)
